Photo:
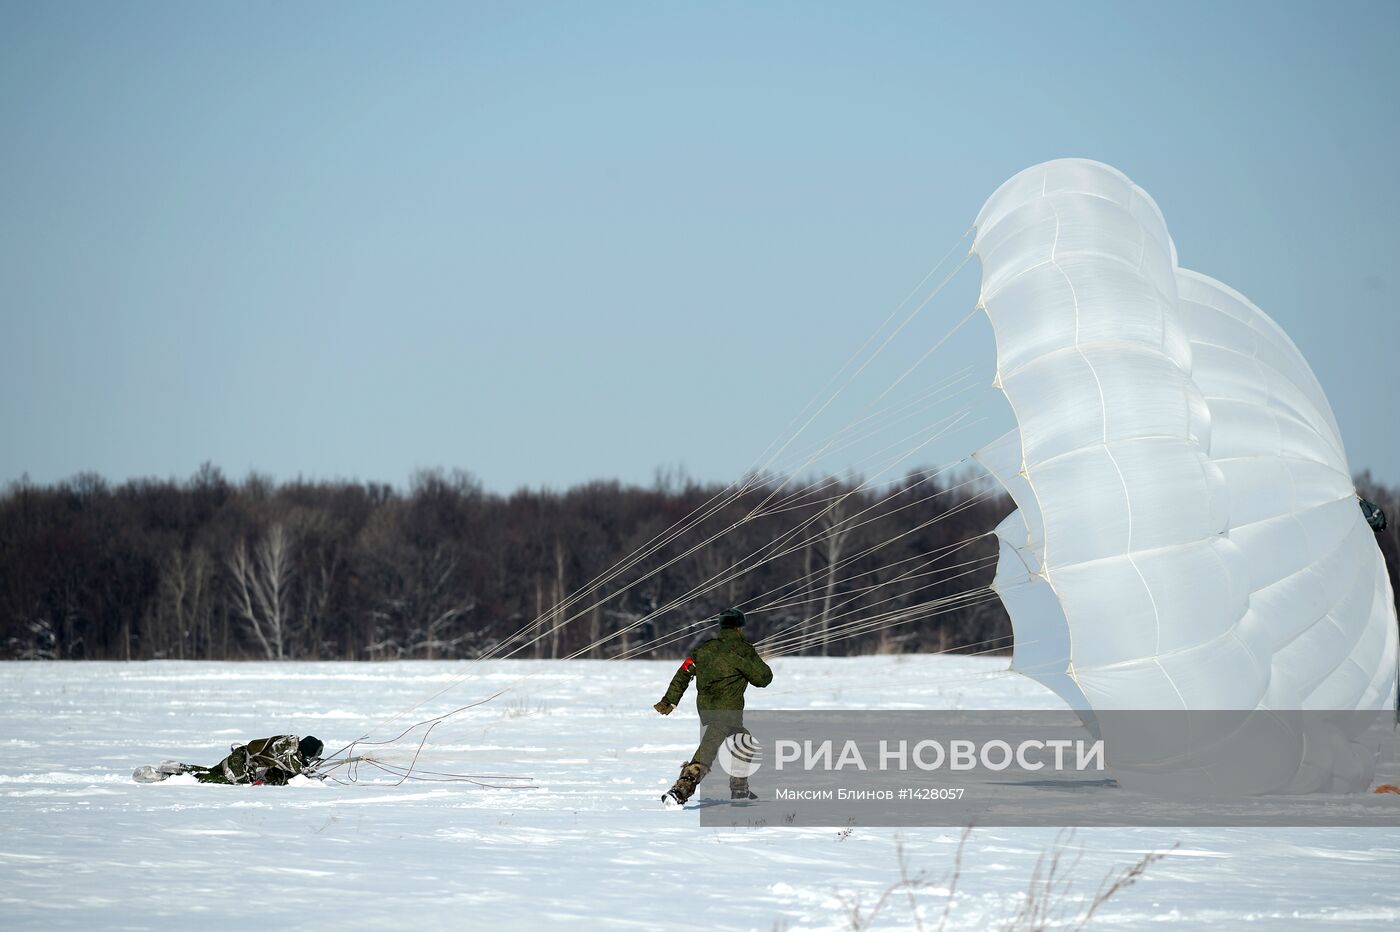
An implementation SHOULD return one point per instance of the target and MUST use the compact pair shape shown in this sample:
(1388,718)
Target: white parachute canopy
(1187,533)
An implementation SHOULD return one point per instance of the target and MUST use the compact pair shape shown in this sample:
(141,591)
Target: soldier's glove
(664,707)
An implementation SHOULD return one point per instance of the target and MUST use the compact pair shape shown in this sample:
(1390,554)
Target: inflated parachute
(1187,535)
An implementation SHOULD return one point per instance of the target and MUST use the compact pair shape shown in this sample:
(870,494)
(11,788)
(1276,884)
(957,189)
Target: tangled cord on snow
(345,769)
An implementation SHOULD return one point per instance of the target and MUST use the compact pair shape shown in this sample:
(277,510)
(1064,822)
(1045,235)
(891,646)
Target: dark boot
(739,788)
(691,775)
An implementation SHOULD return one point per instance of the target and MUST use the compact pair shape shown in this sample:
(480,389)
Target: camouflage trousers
(237,769)
(716,725)
(202,774)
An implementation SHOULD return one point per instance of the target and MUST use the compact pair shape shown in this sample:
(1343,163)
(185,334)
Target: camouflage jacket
(722,667)
(273,761)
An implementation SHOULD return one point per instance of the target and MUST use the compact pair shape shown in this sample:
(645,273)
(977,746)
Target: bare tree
(422,605)
(440,605)
(830,544)
(559,615)
(183,605)
(262,589)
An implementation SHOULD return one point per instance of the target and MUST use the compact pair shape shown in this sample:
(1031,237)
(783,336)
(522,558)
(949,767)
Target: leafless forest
(213,569)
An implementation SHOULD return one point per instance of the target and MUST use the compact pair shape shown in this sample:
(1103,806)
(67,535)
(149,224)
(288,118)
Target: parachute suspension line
(876,623)
(965,374)
(991,650)
(802,494)
(697,516)
(961,506)
(868,483)
(796,586)
(671,638)
(749,517)
(700,590)
(955,420)
(783,507)
(871,549)
(937,555)
(841,632)
(804,640)
(834,529)
(664,640)
(346,772)
(734,573)
(716,503)
(729,574)
(935,395)
(922,571)
(837,527)
(800,583)
(863,620)
(804,497)
(897,445)
(800,630)
(791,599)
(868,340)
(755,471)
(724,497)
(958,650)
(933,294)
(430,724)
(932,349)
(794,602)
(418,775)
(891,619)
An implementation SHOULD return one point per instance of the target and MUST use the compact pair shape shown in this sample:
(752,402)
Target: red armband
(688,665)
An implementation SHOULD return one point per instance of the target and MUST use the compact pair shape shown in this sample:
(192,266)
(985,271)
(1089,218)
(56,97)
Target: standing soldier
(722,667)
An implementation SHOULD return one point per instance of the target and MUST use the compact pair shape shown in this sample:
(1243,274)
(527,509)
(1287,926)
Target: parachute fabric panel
(1186,534)
(1038,625)
(1313,570)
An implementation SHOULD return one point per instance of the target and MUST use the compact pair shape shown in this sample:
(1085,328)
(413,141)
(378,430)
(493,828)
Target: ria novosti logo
(740,755)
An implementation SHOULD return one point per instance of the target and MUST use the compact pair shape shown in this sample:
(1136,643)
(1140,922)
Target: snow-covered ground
(588,846)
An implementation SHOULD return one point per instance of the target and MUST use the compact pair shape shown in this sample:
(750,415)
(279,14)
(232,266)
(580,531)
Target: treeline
(213,569)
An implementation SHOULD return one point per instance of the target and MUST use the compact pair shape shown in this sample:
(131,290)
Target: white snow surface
(589,846)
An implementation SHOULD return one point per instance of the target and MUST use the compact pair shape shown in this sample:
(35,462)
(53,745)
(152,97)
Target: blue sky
(547,243)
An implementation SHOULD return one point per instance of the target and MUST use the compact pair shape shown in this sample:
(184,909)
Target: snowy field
(588,846)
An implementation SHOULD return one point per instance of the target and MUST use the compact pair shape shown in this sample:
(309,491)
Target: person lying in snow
(271,761)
